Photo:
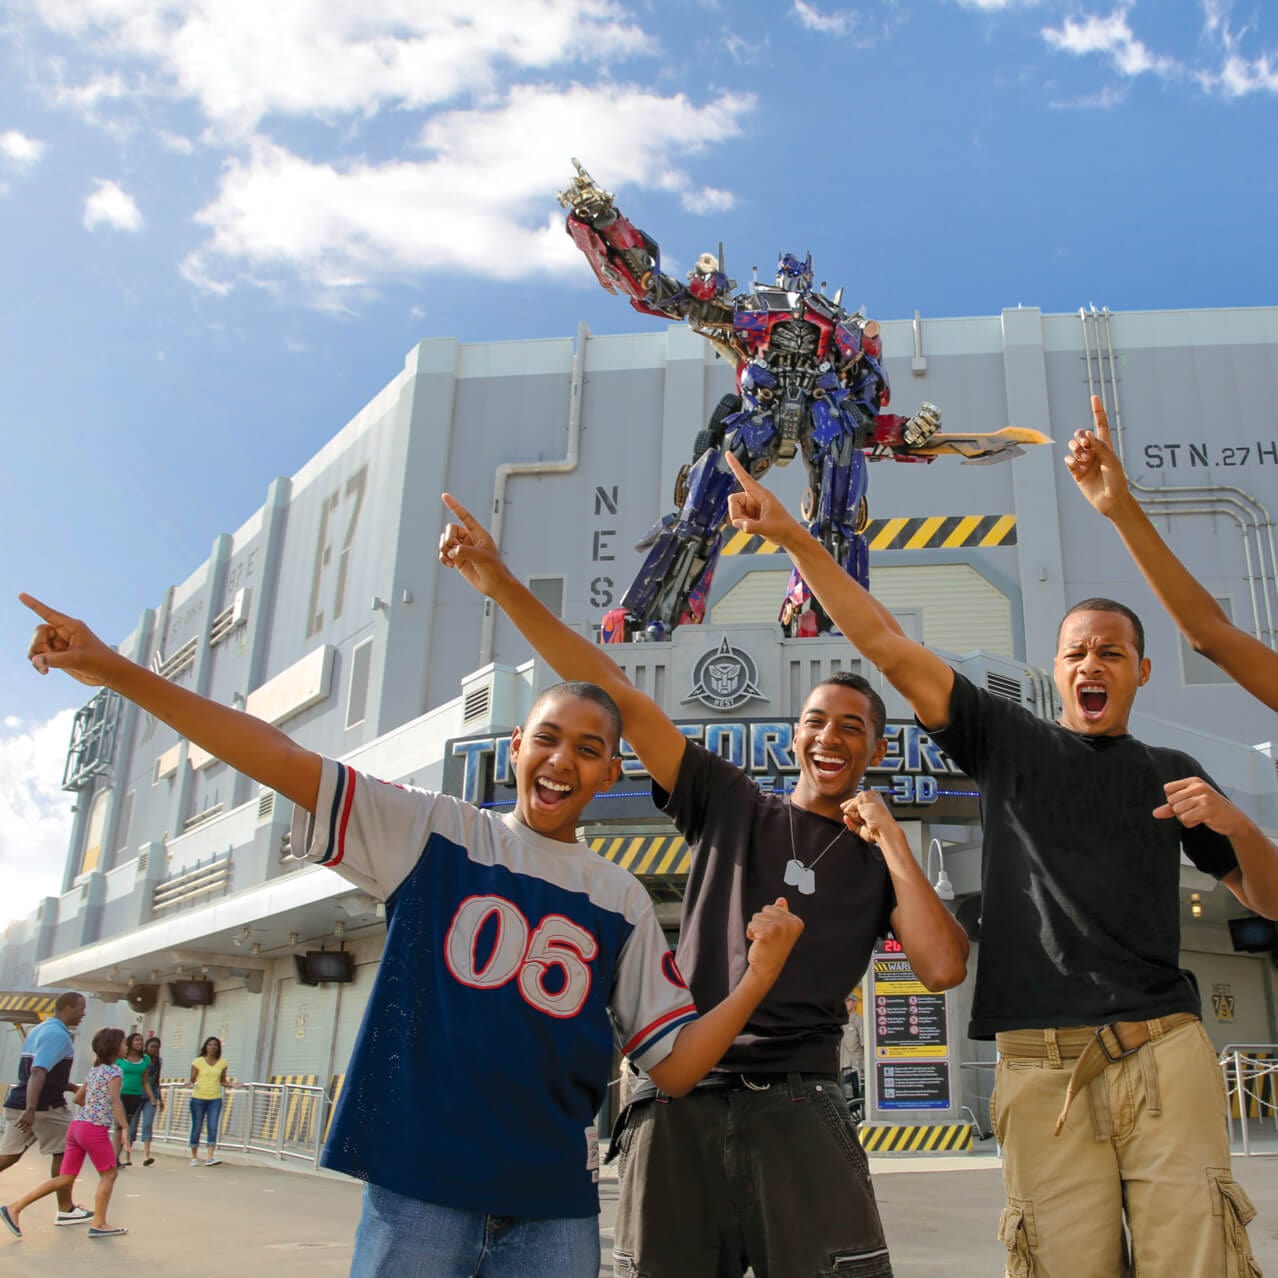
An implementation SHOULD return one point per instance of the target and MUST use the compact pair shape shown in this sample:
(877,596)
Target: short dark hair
(212,1038)
(587,692)
(1101,604)
(106,1045)
(846,679)
(67,999)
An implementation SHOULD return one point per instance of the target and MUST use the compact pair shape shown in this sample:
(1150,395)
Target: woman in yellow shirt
(208,1077)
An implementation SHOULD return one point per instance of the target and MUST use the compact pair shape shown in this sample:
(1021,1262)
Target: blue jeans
(401,1237)
(144,1116)
(205,1113)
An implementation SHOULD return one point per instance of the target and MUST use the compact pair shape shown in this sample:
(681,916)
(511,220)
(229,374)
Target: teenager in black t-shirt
(1078,974)
(761,1165)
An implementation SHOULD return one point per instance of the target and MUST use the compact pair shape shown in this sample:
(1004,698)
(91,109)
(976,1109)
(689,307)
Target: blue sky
(226,222)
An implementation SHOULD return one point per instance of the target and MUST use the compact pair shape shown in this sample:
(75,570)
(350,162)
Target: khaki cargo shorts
(49,1131)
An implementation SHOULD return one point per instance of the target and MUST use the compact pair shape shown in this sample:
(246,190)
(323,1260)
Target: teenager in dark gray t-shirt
(761,1165)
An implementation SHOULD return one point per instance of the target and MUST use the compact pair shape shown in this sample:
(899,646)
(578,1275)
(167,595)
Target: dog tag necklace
(796,873)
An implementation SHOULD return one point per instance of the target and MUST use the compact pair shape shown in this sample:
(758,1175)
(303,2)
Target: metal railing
(1251,1089)
(282,1120)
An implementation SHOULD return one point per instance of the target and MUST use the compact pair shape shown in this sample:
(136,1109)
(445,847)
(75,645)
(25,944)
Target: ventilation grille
(477,702)
(1004,686)
(265,805)
(183,659)
(201,818)
(230,619)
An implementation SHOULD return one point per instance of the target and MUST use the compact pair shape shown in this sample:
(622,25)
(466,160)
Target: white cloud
(864,27)
(481,201)
(1113,37)
(111,205)
(19,150)
(836,23)
(1104,100)
(35,812)
(1238,74)
(243,61)
(996,6)
(707,199)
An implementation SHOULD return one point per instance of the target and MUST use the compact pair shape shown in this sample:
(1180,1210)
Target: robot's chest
(776,324)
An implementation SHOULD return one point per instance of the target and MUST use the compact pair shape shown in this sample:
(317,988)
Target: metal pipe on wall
(562,467)
(1251,515)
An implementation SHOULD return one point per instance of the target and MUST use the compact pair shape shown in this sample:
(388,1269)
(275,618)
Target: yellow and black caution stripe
(922,532)
(929,1138)
(335,1085)
(26,1007)
(647,856)
(301,1108)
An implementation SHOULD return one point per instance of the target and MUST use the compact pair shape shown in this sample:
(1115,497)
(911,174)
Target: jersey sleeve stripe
(346,816)
(637,1045)
(338,816)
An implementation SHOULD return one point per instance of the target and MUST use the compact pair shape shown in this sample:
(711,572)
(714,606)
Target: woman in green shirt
(134,1088)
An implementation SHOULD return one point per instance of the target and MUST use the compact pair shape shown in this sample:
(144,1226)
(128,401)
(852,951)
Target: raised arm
(1100,478)
(467,547)
(246,743)
(917,674)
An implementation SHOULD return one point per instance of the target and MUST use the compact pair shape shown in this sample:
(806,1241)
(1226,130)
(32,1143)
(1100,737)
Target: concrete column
(262,606)
(1038,526)
(214,583)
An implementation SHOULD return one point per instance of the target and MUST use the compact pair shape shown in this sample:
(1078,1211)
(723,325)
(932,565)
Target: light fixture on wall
(1195,905)
(943,887)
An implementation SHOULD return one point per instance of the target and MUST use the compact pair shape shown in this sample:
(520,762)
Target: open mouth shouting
(550,793)
(1093,698)
(829,767)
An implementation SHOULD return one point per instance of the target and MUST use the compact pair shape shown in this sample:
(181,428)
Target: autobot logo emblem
(725,678)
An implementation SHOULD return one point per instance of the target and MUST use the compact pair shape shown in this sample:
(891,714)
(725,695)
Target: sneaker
(10,1222)
(214,1162)
(94,1232)
(195,1162)
(76,1216)
(146,1162)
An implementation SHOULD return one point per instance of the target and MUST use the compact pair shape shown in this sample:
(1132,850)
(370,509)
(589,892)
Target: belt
(646,1089)
(1095,1047)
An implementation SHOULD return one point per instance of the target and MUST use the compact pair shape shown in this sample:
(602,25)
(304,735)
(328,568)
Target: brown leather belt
(1092,1048)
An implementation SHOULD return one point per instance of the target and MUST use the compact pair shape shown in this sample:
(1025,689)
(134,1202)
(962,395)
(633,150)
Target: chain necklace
(796,873)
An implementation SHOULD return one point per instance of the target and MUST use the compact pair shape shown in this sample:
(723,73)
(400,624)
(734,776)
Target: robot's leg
(836,514)
(671,587)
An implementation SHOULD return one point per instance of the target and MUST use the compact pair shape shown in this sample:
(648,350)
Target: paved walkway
(247,1217)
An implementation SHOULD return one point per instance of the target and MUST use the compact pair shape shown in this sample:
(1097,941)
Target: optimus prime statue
(809,379)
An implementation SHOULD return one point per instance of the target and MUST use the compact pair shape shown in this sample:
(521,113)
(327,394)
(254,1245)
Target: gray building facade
(327,613)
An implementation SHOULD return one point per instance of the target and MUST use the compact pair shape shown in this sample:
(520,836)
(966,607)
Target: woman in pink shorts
(90,1134)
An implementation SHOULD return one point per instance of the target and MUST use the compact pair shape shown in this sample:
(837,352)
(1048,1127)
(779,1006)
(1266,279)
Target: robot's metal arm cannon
(627,260)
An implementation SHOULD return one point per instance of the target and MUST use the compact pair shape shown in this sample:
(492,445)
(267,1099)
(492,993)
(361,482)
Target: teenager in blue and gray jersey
(514,960)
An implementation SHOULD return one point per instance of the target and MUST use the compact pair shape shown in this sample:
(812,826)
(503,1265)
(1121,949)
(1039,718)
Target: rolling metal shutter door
(179,1032)
(962,611)
(303,1028)
(756,597)
(352,1000)
(234,1019)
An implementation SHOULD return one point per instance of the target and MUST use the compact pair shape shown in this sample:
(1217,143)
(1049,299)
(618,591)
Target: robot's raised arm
(624,258)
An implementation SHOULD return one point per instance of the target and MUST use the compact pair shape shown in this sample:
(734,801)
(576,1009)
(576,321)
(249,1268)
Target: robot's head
(794,274)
